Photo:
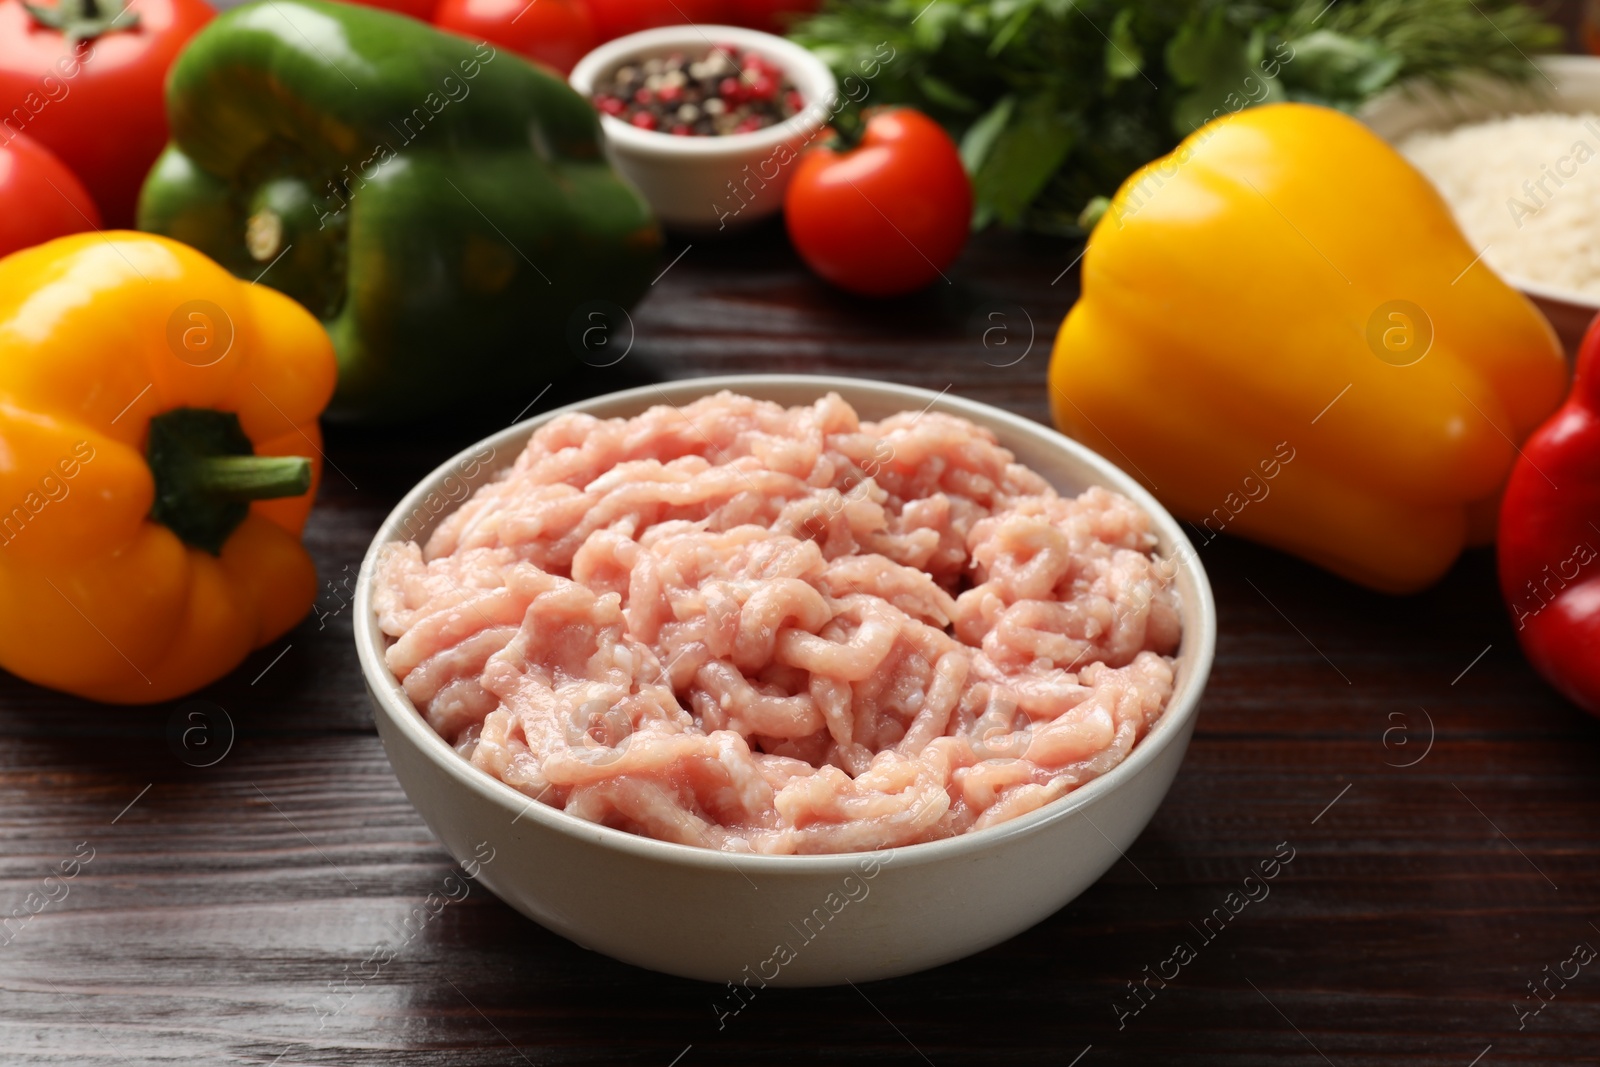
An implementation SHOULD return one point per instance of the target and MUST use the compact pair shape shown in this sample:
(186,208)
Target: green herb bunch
(1055,102)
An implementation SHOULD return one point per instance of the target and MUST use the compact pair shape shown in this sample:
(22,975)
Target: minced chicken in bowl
(783,630)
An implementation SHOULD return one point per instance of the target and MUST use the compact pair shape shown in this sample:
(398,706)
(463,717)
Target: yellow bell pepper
(1284,335)
(159,452)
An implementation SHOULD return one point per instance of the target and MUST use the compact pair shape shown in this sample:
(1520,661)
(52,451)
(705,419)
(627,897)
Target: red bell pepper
(1550,539)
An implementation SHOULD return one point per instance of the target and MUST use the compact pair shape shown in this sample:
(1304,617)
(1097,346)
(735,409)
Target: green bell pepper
(444,208)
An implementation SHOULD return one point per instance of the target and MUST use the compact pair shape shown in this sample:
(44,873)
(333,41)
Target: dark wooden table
(1440,801)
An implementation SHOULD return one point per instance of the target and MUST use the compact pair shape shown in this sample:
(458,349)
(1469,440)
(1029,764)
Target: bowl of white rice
(1519,166)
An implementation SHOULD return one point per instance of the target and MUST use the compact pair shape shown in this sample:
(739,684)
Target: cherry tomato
(98,107)
(887,217)
(40,199)
(556,33)
(613,18)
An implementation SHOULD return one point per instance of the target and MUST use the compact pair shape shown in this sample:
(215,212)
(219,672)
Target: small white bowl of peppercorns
(707,121)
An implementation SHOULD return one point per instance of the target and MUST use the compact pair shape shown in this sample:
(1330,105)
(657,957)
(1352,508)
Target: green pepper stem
(250,477)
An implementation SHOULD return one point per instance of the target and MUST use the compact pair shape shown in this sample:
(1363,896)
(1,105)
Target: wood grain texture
(224,905)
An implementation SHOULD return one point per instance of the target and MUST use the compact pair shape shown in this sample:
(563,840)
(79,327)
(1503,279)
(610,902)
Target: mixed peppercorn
(724,91)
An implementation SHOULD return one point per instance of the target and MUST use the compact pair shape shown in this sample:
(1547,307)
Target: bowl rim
(1559,70)
(390,699)
(811,76)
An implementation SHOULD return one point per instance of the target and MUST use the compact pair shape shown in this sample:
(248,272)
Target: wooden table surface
(1441,804)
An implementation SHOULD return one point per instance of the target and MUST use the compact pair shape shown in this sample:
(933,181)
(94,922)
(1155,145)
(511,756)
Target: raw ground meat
(777,630)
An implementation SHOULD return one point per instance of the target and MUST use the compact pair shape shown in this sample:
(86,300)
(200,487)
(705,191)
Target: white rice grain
(1526,191)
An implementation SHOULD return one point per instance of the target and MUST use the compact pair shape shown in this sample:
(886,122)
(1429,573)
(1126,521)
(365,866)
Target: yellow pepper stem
(206,473)
(250,477)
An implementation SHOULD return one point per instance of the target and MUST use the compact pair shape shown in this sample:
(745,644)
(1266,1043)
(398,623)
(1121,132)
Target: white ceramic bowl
(706,914)
(1568,84)
(710,184)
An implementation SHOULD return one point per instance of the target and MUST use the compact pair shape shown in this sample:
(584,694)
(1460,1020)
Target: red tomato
(556,33)
(773,16)
(887,217)
(417,9)
(613,18)
(99,109)
(40,199)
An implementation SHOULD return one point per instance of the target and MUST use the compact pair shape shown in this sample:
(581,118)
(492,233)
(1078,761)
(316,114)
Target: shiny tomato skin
(556,33)
(107,118)
(887,217)
(614,18)
(40,199)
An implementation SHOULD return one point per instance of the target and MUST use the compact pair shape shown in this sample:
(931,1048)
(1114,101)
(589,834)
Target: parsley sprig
(1055,102)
